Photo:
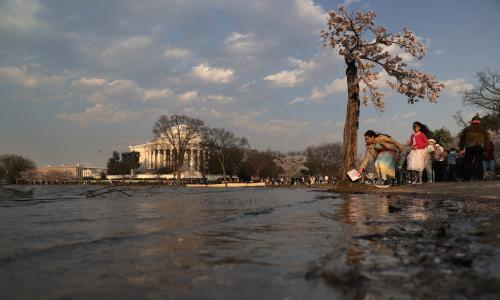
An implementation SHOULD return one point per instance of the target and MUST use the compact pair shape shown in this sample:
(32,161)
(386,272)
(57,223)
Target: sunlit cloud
(212,74)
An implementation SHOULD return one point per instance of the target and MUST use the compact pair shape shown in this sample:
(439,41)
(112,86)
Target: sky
(79,79)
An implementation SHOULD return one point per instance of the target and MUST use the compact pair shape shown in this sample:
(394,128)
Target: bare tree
(459,119)
(291,164)
(260,163)
(324,159)
(221,144)
(12,166)
(487,94)
(180,132)
(365,47)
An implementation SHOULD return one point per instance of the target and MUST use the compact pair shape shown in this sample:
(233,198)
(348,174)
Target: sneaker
(383,185)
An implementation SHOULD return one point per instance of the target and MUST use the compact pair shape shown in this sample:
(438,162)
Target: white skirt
(416,160)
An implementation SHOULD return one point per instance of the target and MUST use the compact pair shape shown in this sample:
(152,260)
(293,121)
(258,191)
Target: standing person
(416,158)
(401,168)
(452,163)
(383,149)
(438,163)
(489,162)
(429,154)
(459,168)
(474,141)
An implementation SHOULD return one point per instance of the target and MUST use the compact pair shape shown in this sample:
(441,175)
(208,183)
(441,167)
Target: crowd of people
(424,160)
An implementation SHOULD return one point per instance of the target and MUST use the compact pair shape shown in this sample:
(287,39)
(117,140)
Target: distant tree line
(229,154)
(123,165)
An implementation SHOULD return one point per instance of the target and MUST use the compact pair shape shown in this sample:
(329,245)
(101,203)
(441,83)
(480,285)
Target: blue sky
(79,79)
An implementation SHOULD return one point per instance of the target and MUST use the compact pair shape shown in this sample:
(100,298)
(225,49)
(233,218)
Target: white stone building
(160,153)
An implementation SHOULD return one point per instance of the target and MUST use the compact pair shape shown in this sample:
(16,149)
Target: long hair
(372,133)
(424,129)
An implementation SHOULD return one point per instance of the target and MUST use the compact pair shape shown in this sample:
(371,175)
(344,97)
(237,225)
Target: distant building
(63,172)
(160,153)
(92,172)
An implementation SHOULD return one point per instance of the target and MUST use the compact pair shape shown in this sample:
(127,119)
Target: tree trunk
(350,146)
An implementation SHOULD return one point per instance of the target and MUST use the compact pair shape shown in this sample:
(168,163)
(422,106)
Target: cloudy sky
(79,79)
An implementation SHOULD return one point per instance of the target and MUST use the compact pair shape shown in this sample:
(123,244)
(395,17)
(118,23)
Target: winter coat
(387,143)
(474,135)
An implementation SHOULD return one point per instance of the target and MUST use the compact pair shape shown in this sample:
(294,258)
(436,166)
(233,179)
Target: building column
(159,157)
(202,162)
(148,157)
(188,152)
(154,159)
(196,157)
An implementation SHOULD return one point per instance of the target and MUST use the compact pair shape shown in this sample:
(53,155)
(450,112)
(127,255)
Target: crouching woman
(384,150)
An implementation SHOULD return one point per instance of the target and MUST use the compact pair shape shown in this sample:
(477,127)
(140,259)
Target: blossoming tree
(366,51)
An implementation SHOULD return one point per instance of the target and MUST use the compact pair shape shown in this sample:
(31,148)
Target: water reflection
(177,243)
(181,243)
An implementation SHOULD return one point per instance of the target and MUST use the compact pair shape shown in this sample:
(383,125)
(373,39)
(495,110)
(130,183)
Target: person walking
(452,164)
(439,163)
(429,154)
(383,149)
(416,158)
(489,162)
(474,141)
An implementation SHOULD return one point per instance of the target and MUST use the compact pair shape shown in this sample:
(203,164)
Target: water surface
(157,242)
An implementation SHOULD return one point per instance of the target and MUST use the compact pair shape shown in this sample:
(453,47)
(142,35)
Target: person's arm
(461,144)
(425,141)
(486,138)
(365,161)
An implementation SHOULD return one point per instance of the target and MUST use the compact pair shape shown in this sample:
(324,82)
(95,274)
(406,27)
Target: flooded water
(89,242)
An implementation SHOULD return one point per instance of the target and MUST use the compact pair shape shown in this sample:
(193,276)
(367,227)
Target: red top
(418,141)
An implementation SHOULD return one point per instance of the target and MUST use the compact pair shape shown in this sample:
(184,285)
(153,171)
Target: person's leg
(478,162)
(428,169)
(468,160)
(420,173)
(485,169)
(451,169)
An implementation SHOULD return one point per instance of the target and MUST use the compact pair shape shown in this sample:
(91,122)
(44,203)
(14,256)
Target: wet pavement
(82,242)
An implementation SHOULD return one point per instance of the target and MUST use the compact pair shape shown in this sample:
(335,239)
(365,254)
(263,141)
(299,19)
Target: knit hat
(476,118)
(431,141)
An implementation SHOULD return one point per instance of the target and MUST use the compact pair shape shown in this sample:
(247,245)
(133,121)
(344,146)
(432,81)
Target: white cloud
(176,53)
(287,128)
(19,14)
(339,85)
(308,12)
(220,98)
(188,96)
(291,78)
(97,98)
(349,2)
(332,123)
(101,113)
(286,78)
(156,94)
(454,87)
(212,74)
(89,82)
(29,76)
(394,49)
(19,76)
(242,43)
(125,50)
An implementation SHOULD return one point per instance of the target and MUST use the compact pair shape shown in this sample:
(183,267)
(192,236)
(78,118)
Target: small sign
(354,174)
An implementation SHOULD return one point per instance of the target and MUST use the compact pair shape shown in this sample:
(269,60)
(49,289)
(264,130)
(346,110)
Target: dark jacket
(474,135)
